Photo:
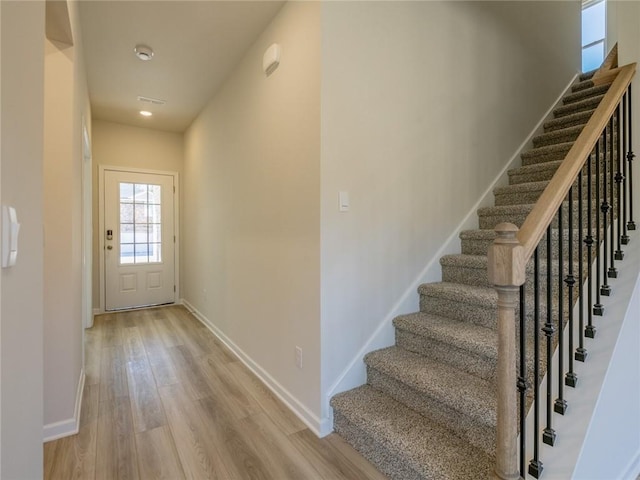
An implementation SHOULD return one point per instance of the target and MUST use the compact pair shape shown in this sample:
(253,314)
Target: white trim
(87,228)
(354,374)
(97,311)
(176,224)
(301,411)
(71,426)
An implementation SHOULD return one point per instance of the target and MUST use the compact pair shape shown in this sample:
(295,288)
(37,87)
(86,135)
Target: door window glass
(140,223)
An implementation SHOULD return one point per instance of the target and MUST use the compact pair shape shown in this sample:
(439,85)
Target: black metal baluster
(598,309)
(571,378)
(590,331)
(631,225)
(612,272)
(535,465)
(619,255)
(522,382)
(581,352)
(549,434)
(605,289)
(560,405)
(625,237)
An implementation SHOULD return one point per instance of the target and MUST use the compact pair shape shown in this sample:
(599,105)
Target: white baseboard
(97,311)
(71,426)
(384,335)
(300,410)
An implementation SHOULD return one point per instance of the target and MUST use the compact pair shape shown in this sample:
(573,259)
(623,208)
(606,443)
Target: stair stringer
(578,429)
(383,336)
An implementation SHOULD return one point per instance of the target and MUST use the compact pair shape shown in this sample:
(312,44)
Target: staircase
(428,410)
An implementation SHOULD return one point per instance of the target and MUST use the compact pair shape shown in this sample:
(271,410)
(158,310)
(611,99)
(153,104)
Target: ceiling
(196,44)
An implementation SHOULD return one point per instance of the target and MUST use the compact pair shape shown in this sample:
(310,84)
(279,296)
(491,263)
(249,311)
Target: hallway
(163,398)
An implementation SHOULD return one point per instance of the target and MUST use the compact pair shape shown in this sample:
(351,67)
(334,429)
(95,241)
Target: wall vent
(153,101)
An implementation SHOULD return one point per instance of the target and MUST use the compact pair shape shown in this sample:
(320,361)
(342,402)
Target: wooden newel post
(506,273)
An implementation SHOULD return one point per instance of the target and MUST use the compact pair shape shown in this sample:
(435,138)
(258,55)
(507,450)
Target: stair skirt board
(354,374)
(418,405)
(315,424)
(71,426)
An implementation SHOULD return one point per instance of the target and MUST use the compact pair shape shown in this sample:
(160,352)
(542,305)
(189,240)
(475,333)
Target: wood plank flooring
(165,399)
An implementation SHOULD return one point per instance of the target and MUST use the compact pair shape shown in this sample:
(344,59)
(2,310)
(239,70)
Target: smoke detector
(143,52)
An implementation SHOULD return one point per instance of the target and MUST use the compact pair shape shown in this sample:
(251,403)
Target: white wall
(423,103)
(120,145)
(66,101)
(22,286)
(251,209)
(612,447)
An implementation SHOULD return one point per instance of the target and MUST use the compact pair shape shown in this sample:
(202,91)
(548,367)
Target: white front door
(139,239)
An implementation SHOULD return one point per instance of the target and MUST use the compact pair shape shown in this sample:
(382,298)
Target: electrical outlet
(298,357)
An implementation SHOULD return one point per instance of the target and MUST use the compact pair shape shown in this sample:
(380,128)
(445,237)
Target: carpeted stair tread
(562,135)
(587,75)
(463,345)
(547,153)
(594,91)
(467,294)
(533,173)
(472,269)
(580,118)
(581,85)
(467,394)
(529,192)
(400,441)
(463,335)
(579,106)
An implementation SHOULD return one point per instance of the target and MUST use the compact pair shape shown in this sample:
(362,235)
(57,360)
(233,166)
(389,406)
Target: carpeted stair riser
(550,153)
(575,107)
(389,463)
(464,426)
(581,85)
(538,172)
(474,306)
(585,93)
(565,135)
(474,364)
(467,270)
(477,242)
(489,217)
(425,338)
(580,118)
(528,193)
(403,443)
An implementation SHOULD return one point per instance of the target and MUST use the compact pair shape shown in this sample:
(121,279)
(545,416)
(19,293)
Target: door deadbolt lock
(109,234)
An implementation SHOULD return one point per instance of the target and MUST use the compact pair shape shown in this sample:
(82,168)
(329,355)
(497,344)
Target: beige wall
(21,340)
(251,208)
(134,147)
(66,102)
(423,104)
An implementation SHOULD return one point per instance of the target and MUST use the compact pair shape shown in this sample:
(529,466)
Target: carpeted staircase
(428,408)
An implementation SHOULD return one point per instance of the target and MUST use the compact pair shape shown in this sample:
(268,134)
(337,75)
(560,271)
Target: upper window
(593,33)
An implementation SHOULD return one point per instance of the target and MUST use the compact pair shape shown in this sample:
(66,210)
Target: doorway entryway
(137,222)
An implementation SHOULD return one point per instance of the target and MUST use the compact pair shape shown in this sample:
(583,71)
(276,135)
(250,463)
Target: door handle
(109,247)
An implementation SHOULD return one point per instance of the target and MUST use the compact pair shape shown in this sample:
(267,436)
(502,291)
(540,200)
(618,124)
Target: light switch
(343,201)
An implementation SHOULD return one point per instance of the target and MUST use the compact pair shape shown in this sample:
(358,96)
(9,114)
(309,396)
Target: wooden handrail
(535,225)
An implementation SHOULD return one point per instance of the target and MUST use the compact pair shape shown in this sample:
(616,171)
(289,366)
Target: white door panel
(139,239)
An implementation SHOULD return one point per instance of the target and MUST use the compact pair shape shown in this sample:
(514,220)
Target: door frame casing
(101,227)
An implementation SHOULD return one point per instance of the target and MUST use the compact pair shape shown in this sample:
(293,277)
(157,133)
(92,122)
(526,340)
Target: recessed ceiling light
(145,113)
(143,52)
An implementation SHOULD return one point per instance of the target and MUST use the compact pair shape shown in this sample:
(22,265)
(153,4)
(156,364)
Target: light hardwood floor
(164,399)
